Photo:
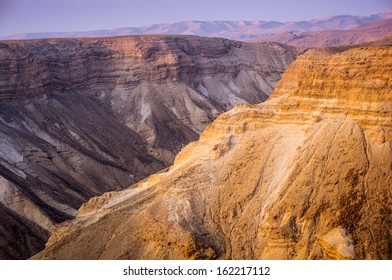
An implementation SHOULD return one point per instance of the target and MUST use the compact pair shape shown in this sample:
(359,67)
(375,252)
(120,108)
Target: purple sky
(20,16)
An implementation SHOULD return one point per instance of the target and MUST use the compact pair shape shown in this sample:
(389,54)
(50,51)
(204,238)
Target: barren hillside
(80,117)
(305,175)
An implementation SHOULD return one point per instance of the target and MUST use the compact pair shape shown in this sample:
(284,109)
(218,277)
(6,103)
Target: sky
(23,16)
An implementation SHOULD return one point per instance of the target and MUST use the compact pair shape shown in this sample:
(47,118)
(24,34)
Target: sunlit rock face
(305,175)
(80,117)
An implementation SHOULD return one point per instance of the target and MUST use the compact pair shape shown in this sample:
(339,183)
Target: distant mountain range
(236,30)
(328,38)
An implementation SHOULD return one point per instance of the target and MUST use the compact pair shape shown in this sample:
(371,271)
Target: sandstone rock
(80,117)
(305,175)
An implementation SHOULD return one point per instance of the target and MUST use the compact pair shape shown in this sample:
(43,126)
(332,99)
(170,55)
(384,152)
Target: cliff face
(305,175)
(80,117)
(190,79)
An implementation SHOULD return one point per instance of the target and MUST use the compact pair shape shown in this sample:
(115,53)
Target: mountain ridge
(236,30)
(357,35)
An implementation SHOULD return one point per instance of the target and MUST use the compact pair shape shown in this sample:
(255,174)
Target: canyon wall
(80,117)
(305,175)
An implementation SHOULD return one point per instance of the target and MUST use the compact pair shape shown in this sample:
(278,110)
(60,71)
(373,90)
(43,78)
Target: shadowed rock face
(80,117)
(305,175)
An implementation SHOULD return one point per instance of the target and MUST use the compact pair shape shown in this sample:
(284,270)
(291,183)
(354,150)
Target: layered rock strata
(80,117)
(305,175)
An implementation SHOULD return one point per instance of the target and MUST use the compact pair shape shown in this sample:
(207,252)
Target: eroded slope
(79,117)
(305,175)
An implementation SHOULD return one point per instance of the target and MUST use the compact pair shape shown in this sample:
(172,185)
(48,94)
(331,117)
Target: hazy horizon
(40,16)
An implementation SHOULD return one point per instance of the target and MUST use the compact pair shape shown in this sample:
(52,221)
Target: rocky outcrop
(305,175)
(80,117)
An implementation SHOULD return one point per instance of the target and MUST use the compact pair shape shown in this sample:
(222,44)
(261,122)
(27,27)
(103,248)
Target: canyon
(305,175)
(80,117)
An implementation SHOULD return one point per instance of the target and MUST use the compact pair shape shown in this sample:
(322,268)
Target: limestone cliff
(80,117)
(305,175)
